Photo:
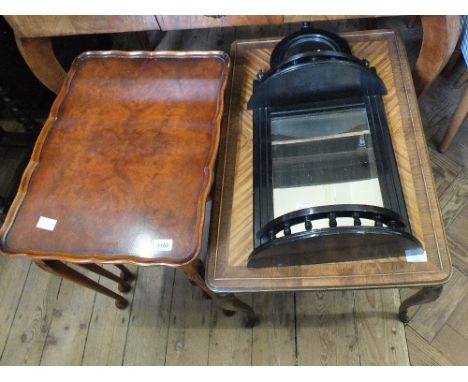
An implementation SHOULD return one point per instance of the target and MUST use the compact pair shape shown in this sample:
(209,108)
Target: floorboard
(459,318)
(454,346)
(325,323)
(108,328)
(189,332)
(68,330)
(148,328)
(230,341)
(273,340)
(422,353)
(13,274)
(32,320)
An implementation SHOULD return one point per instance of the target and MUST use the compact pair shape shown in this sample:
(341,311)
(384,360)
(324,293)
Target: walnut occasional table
(231,239)
(122,169)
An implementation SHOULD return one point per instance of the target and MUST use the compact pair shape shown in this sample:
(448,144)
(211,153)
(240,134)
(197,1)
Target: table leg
(457,121)
(126,274)
(425,295)
(124,286)
(41,59)
(440,36)
(63,270)
(195,272)
(461,80)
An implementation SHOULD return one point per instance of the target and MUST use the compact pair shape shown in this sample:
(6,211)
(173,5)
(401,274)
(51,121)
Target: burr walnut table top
(232,231)
(124,164)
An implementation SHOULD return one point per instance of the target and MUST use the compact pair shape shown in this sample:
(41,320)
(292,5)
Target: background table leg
(440,36)
(456,122)
(40,57)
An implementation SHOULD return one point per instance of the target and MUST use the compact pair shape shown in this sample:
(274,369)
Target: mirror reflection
(323,158)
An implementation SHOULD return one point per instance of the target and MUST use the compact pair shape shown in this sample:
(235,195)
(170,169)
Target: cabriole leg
(195,272)
(425,295)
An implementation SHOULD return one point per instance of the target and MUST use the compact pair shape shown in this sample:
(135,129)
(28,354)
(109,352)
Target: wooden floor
(47,321)
(438,333)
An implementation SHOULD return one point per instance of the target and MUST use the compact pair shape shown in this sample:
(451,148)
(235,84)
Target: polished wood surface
(231,240)
(438,42)
(126,157)
(190,22)
(62,25)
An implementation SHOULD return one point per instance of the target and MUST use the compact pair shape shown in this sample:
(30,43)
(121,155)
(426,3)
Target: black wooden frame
(304,81)
(389,180)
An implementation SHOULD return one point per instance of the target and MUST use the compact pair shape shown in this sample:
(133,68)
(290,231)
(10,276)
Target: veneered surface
(125,158)
(231,232)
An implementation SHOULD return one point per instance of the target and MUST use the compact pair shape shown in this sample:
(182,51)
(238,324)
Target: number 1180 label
(163,244)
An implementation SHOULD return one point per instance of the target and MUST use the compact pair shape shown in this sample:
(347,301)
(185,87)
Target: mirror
(323,158)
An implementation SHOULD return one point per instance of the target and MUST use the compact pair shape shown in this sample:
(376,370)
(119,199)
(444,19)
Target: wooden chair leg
(461,80)
(195,272)
(456,122)
(41,59)
(453,61)
(124,286)
(126,274)
(424,296)
(412,22)
(63,270)
(440,36)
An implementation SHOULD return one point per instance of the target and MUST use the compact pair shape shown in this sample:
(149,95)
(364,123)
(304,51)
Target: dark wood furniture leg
(456,122)
(425,295)
(124,286)
(461,80)
(63,270)
(453,61)
(195,272)
(41,59)
(413,20)
(440,36)
(126,274)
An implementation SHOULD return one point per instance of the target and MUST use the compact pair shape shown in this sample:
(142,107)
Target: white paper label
(164,245)
(46,223)
(415,256)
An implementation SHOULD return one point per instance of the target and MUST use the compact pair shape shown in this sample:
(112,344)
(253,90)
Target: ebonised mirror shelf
(326,183)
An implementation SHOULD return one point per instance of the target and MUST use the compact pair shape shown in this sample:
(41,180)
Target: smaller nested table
(123,168)
(232,231)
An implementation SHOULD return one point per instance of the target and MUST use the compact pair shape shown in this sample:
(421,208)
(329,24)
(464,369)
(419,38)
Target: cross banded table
(231,239)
